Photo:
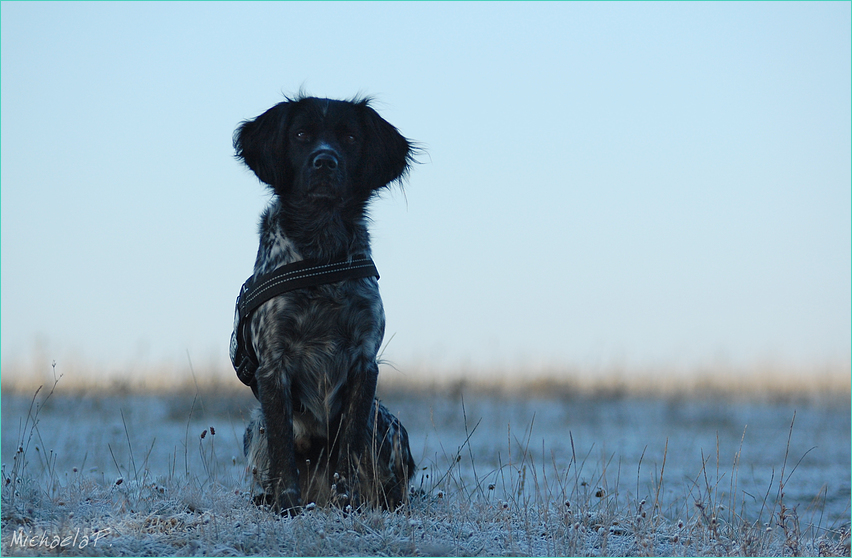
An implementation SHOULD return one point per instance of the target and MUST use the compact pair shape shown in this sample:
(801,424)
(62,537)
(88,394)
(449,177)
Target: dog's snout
(325,159)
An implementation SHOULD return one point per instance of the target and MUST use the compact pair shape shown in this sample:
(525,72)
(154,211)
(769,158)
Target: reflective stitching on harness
(291,275)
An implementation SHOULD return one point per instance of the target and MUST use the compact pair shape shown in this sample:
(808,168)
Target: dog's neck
(288,235)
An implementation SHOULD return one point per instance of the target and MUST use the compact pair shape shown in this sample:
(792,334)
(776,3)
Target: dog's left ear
(388,153)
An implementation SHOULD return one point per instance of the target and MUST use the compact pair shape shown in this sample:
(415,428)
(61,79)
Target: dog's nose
(325,159)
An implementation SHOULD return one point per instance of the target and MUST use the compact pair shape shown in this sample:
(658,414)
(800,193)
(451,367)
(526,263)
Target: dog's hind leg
(393,464)
(277,408)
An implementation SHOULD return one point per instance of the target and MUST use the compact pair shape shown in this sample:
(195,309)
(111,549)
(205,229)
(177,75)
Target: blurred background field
(771,381)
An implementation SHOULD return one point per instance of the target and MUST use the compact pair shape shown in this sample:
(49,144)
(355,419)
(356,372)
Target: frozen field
(500,475)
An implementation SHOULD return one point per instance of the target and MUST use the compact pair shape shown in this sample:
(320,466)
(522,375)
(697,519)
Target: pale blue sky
(636,184)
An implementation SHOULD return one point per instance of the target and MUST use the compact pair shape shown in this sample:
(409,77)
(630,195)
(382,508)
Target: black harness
(257,290)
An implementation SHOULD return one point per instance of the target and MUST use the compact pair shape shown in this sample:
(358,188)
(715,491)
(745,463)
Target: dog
(319,434)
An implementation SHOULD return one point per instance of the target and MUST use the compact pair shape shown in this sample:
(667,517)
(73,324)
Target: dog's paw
(288,503)
(345,496)
(264,499)
(291,512)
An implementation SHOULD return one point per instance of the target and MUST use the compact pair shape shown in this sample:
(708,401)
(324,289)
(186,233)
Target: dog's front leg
(277,407)
(354,451)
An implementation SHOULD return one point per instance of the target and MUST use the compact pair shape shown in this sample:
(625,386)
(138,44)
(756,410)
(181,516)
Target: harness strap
(257,290)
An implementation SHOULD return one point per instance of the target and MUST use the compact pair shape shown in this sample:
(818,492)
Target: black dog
(309,349)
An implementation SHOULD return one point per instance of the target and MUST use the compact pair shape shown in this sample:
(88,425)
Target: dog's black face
(322,154)
(324,149)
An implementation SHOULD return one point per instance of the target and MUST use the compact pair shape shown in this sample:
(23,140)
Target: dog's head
(323,152)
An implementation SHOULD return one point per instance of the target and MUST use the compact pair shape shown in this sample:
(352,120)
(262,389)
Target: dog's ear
(260,143)
(388,153)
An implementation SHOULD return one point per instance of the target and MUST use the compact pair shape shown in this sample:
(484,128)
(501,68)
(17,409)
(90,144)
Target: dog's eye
(303,136)
(350,138)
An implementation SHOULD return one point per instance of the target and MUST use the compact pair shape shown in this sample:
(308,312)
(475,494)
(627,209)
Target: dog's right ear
(260,143)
